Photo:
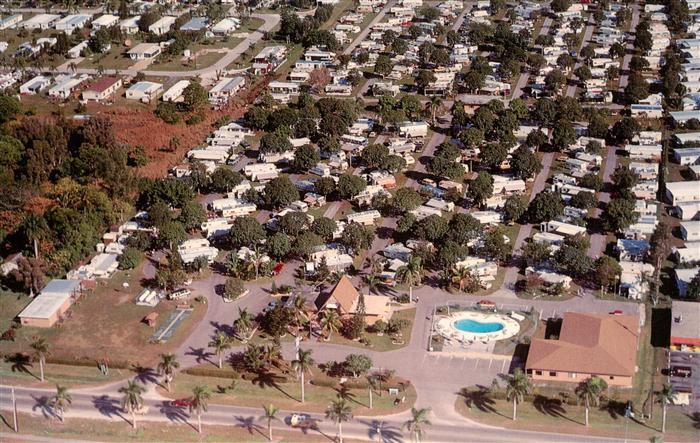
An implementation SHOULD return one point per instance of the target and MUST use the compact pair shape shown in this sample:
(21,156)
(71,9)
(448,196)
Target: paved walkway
(599,240)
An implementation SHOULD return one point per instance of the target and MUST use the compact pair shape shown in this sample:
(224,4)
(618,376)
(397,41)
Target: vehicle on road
(681,371)
(143,410)
(181,403)
(616,312)
(303,421)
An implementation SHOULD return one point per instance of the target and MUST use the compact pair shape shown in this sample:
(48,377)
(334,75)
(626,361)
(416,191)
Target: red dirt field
(140,127)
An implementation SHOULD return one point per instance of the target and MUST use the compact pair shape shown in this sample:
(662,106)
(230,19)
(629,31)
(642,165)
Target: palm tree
(374,264)
(34,227)
(132,400)
(330,322)
(61,401)
(461,276)
(435,104)
(198,404)
(272,352)
(665,396)
(339,411)
(244,323)
(417,423)
(299,310)
(517,386)
(220,343)
(590,391)
(372,385)
(372,282)
(302,365)
(270,415)
(167,366)
(41,349)
(411,274)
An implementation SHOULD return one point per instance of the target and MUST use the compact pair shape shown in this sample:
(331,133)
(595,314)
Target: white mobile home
(683,192)
(40,21)
(144,51)
(162,26)
(366,218)
(70,23)
(174,93)
(10,22)
(105,21)
(225,88)
(35,85)
(144,91)
(130,26)
(413,129)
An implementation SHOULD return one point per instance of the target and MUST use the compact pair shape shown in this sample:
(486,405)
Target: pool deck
(454,338)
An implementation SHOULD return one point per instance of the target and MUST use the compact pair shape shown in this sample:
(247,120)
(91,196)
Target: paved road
(525,230)
(599,241)
(630,48)
(362,35)
(91,406)
(525,76)
(571,89)
(270,21)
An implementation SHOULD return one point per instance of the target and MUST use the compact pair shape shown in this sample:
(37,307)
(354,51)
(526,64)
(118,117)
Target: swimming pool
(477,327)
(470,326)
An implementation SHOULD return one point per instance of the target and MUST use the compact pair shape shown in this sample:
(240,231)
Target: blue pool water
(467,325)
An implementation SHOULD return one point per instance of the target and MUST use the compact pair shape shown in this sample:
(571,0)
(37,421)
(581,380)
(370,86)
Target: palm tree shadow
(200,355)
(146,375)
(479,398)
(695,417)
(43,404)
(345,393)
(248,423)
(265,379)
(108,406)
(4,420)
(378,429)
(20,363)
(616,409)
(174,414)
(552,407)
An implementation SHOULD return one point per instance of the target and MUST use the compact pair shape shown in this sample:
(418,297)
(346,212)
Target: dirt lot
(136,125)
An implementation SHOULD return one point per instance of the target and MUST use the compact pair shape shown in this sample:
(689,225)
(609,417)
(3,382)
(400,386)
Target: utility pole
(14,412)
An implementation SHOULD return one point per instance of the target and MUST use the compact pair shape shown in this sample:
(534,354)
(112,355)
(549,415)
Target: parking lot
(689,384)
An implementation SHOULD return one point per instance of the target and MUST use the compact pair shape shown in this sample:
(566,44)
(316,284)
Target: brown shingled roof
(590,344)
(102,84)
(345,295)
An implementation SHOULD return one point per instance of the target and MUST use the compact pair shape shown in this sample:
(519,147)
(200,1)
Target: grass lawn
(176,63)
(252,24)
(39,104)
(550,416)
(286,394)
(383,343)
(105,324)
(116,58)
(64,375)
(119,431)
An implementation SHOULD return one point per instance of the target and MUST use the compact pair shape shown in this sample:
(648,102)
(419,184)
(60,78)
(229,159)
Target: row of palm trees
(589,391)
(339,410)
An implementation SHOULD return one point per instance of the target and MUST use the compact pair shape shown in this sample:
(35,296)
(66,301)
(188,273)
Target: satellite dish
(125,284)
(127,42)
